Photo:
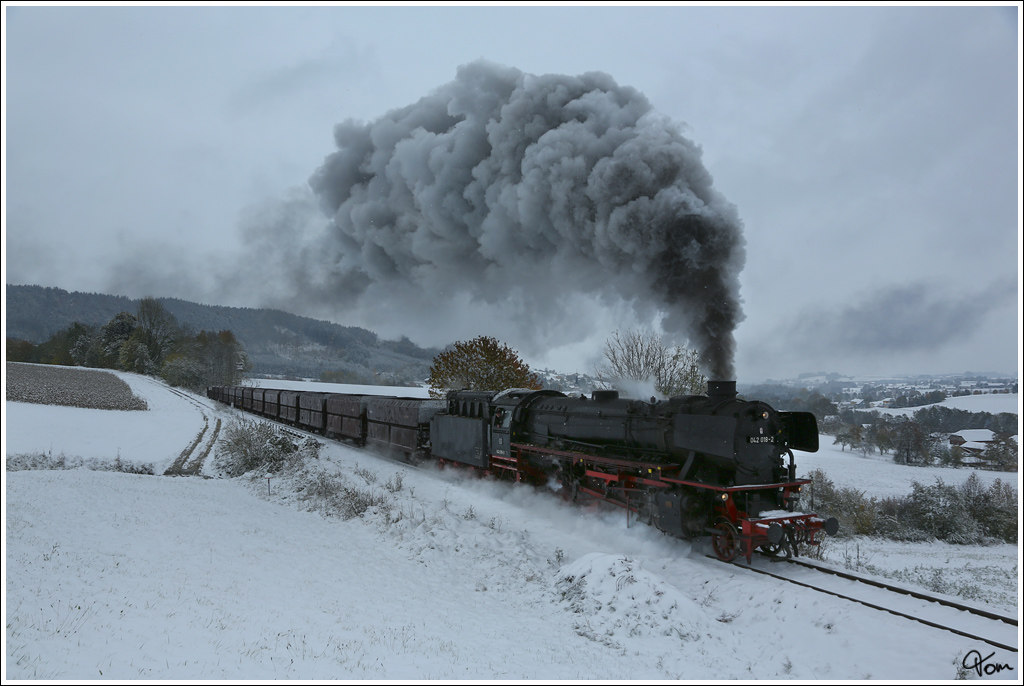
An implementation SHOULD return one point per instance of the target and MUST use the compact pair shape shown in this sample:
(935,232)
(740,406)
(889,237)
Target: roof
(976,435)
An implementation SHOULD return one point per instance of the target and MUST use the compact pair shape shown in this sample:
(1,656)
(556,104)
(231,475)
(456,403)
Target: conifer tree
(113,336)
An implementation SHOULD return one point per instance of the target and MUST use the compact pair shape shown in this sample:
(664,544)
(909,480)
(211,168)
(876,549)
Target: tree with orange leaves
(480,364)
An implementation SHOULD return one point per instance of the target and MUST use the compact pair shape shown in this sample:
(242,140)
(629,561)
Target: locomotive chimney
(722,390)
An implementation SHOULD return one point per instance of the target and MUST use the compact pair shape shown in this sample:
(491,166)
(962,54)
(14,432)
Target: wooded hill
(277,343)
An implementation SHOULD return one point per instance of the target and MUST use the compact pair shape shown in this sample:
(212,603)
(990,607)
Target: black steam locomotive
(693,465)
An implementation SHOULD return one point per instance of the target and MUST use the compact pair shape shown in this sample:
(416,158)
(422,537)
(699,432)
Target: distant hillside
(278,343)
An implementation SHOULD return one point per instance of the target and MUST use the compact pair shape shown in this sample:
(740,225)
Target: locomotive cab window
(502,418)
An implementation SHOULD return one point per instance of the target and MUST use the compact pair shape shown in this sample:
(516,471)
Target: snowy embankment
(121,576)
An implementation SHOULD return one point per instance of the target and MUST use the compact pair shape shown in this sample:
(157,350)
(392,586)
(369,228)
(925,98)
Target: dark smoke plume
(526,192)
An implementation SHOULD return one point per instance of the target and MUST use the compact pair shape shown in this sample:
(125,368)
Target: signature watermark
(982,665)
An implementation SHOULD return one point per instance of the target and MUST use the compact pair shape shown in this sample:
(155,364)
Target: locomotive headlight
(723,496)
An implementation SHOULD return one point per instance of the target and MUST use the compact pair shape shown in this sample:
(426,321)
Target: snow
(154,437)
(320,387)
(975,435)
(993,403)
(879,476)
(116,576)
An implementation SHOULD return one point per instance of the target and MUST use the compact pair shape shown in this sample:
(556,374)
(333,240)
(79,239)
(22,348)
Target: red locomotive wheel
(726,543)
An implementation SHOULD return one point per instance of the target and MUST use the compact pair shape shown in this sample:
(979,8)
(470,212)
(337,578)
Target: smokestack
(526,195)
(722,390)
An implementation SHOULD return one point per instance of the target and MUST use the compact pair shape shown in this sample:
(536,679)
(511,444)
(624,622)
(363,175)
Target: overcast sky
(872,155)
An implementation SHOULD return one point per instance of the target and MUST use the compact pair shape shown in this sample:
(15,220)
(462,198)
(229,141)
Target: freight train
(691,466)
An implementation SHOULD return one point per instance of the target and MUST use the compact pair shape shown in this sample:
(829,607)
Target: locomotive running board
(607,461)
(733,489)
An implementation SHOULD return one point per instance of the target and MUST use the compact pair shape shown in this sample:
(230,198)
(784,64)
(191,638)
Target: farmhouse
(986,449)
(974,441)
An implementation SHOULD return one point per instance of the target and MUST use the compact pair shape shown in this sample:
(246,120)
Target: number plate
(760,439)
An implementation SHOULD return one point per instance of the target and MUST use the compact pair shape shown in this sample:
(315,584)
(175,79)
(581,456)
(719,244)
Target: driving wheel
(725,541)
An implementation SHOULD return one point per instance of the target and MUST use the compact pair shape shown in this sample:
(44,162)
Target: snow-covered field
(153,437)
(877,475)
(993,403)
(123,576)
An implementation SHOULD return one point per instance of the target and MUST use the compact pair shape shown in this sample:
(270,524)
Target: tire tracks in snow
(190,462)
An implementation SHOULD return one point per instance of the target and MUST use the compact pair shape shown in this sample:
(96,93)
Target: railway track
(202,405)
(939,612)
(981,612)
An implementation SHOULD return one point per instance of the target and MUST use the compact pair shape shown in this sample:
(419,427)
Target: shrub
(40,460)
(895,523)
(333,495)
(995,508)
(252,444)
(939,511)
(966,514)
(855,512)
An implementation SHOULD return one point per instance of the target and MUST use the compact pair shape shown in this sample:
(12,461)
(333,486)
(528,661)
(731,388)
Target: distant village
(896,394)
(847,392)
(991,447)
(571,384)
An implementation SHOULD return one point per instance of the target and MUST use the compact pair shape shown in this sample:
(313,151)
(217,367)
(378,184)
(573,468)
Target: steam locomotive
(694,465)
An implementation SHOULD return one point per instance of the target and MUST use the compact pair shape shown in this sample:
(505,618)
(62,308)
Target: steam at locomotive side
(691,466)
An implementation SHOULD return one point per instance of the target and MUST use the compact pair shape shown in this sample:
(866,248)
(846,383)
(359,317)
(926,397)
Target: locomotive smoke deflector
(801,430)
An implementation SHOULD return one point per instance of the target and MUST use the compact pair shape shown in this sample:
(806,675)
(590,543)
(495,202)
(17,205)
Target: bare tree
(643,356)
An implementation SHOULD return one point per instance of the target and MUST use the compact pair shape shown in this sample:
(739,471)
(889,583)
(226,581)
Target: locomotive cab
(501,431)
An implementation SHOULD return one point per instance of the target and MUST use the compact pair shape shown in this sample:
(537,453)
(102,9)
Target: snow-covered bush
(49,461)
(255,447)
(334,495)
(939,511)
(250,444)
(855,512)
(994,508)
(966,514)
